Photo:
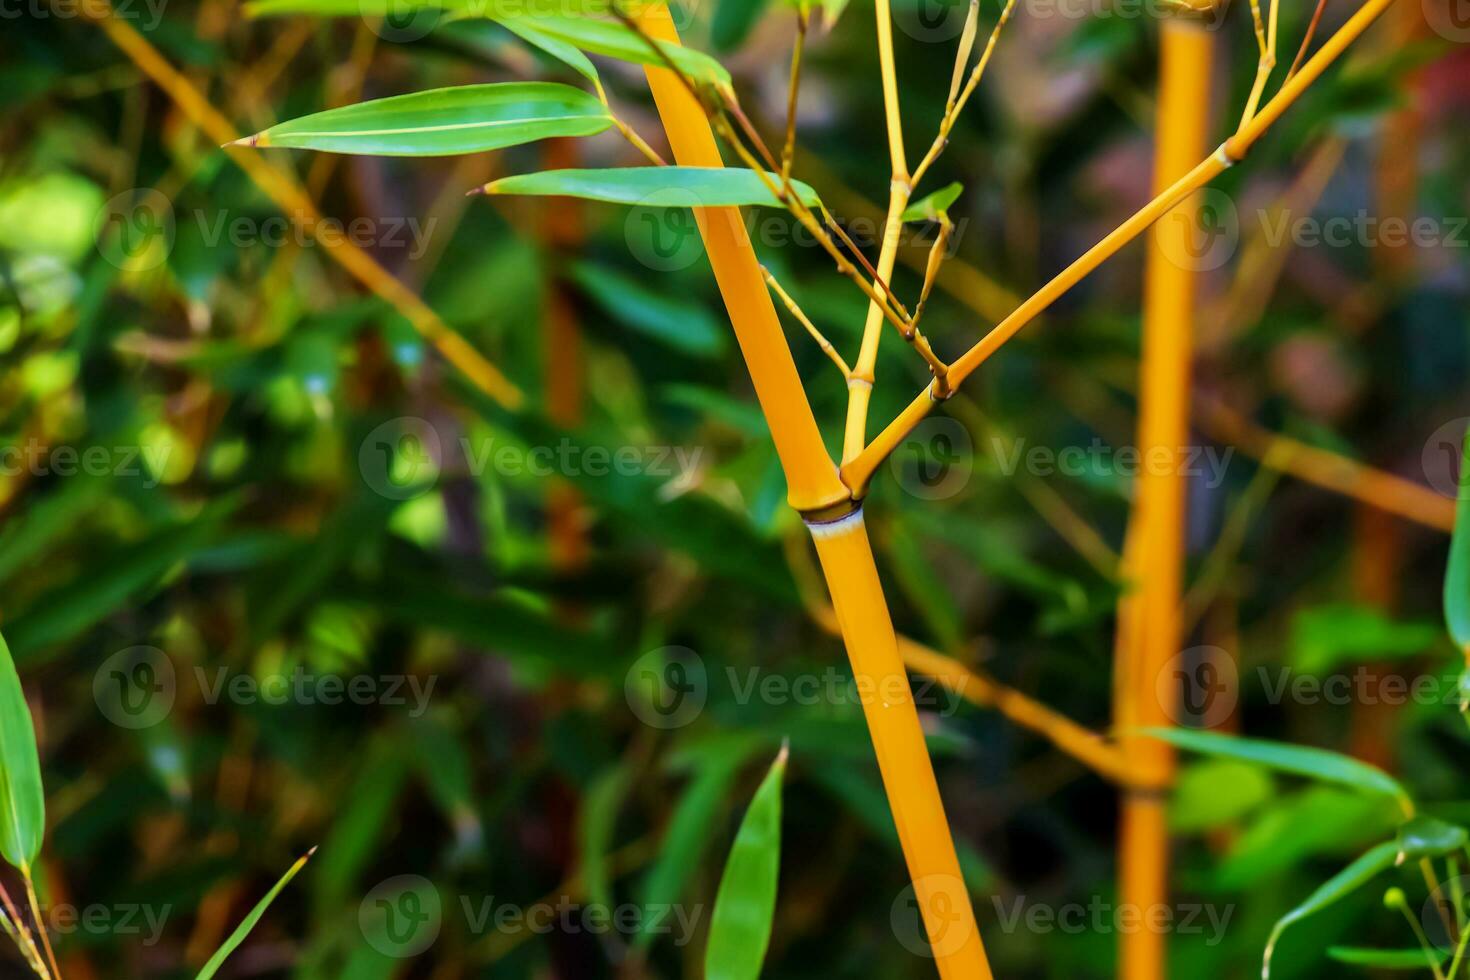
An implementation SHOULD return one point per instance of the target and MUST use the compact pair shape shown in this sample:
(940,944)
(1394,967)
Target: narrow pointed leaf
(653,186)
(23,820)
(446,121)
(568,54)
(1370,864)
(1385,959)
(1313,763)
(745,906)
(1345,882)
(1457,575)
(616,40)
(249,922)
(930,207)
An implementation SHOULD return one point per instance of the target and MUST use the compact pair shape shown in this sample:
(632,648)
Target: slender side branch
(858,471)
(40,921)
(957,105)
(788,148)
(801,318)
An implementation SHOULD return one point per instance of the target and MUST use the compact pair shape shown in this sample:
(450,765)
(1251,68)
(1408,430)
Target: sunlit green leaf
(745,906)
(1313,763)
(931,206)
(674,187)
(1457,575)
(445,121)
(1386,959)
(249,922)
(23,818)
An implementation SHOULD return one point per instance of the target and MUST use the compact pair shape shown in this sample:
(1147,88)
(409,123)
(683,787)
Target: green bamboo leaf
(23,821)
(1457,575)
(1340,885)
(930,207)
(1371,863)
(1426,835)
(600,806)
(616,40)
(568,54)
(445,121)
(248,923)
(745,905)
(674,187)
(1385,959)
(1318,764)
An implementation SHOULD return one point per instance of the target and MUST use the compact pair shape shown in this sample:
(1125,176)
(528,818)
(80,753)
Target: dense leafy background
(255,371)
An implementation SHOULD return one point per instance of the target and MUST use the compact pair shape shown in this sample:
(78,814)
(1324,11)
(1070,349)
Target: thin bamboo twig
(25,873)
(858,472)
(288,195)
(1266,43)
(1301,52)
(28,948)
(957,106)
(801,318)
(900,187)
(793,89)
(1330,470)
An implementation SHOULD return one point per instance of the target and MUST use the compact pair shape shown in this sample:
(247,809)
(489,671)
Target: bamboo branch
(860,384)
(801,318)
(858,472)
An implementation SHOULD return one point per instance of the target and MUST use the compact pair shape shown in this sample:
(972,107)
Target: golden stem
(1156,524)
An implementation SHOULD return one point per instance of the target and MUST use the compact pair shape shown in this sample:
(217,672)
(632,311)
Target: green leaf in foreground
(23,822)
(1384,959)
(616,40)
(1346,881)
(1301,760)
(445,121)
(930,207)
(249,922)
(1457,575)
(1377,859)
(671,187)
(1426,835)
(745,906)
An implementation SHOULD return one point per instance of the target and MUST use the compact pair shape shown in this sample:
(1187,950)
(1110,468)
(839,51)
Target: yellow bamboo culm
(898,740)
(1150,619)
(841,537)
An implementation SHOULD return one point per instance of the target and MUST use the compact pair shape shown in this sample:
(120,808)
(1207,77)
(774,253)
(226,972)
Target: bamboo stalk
(815,489)
(1157,522)
(898,739)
